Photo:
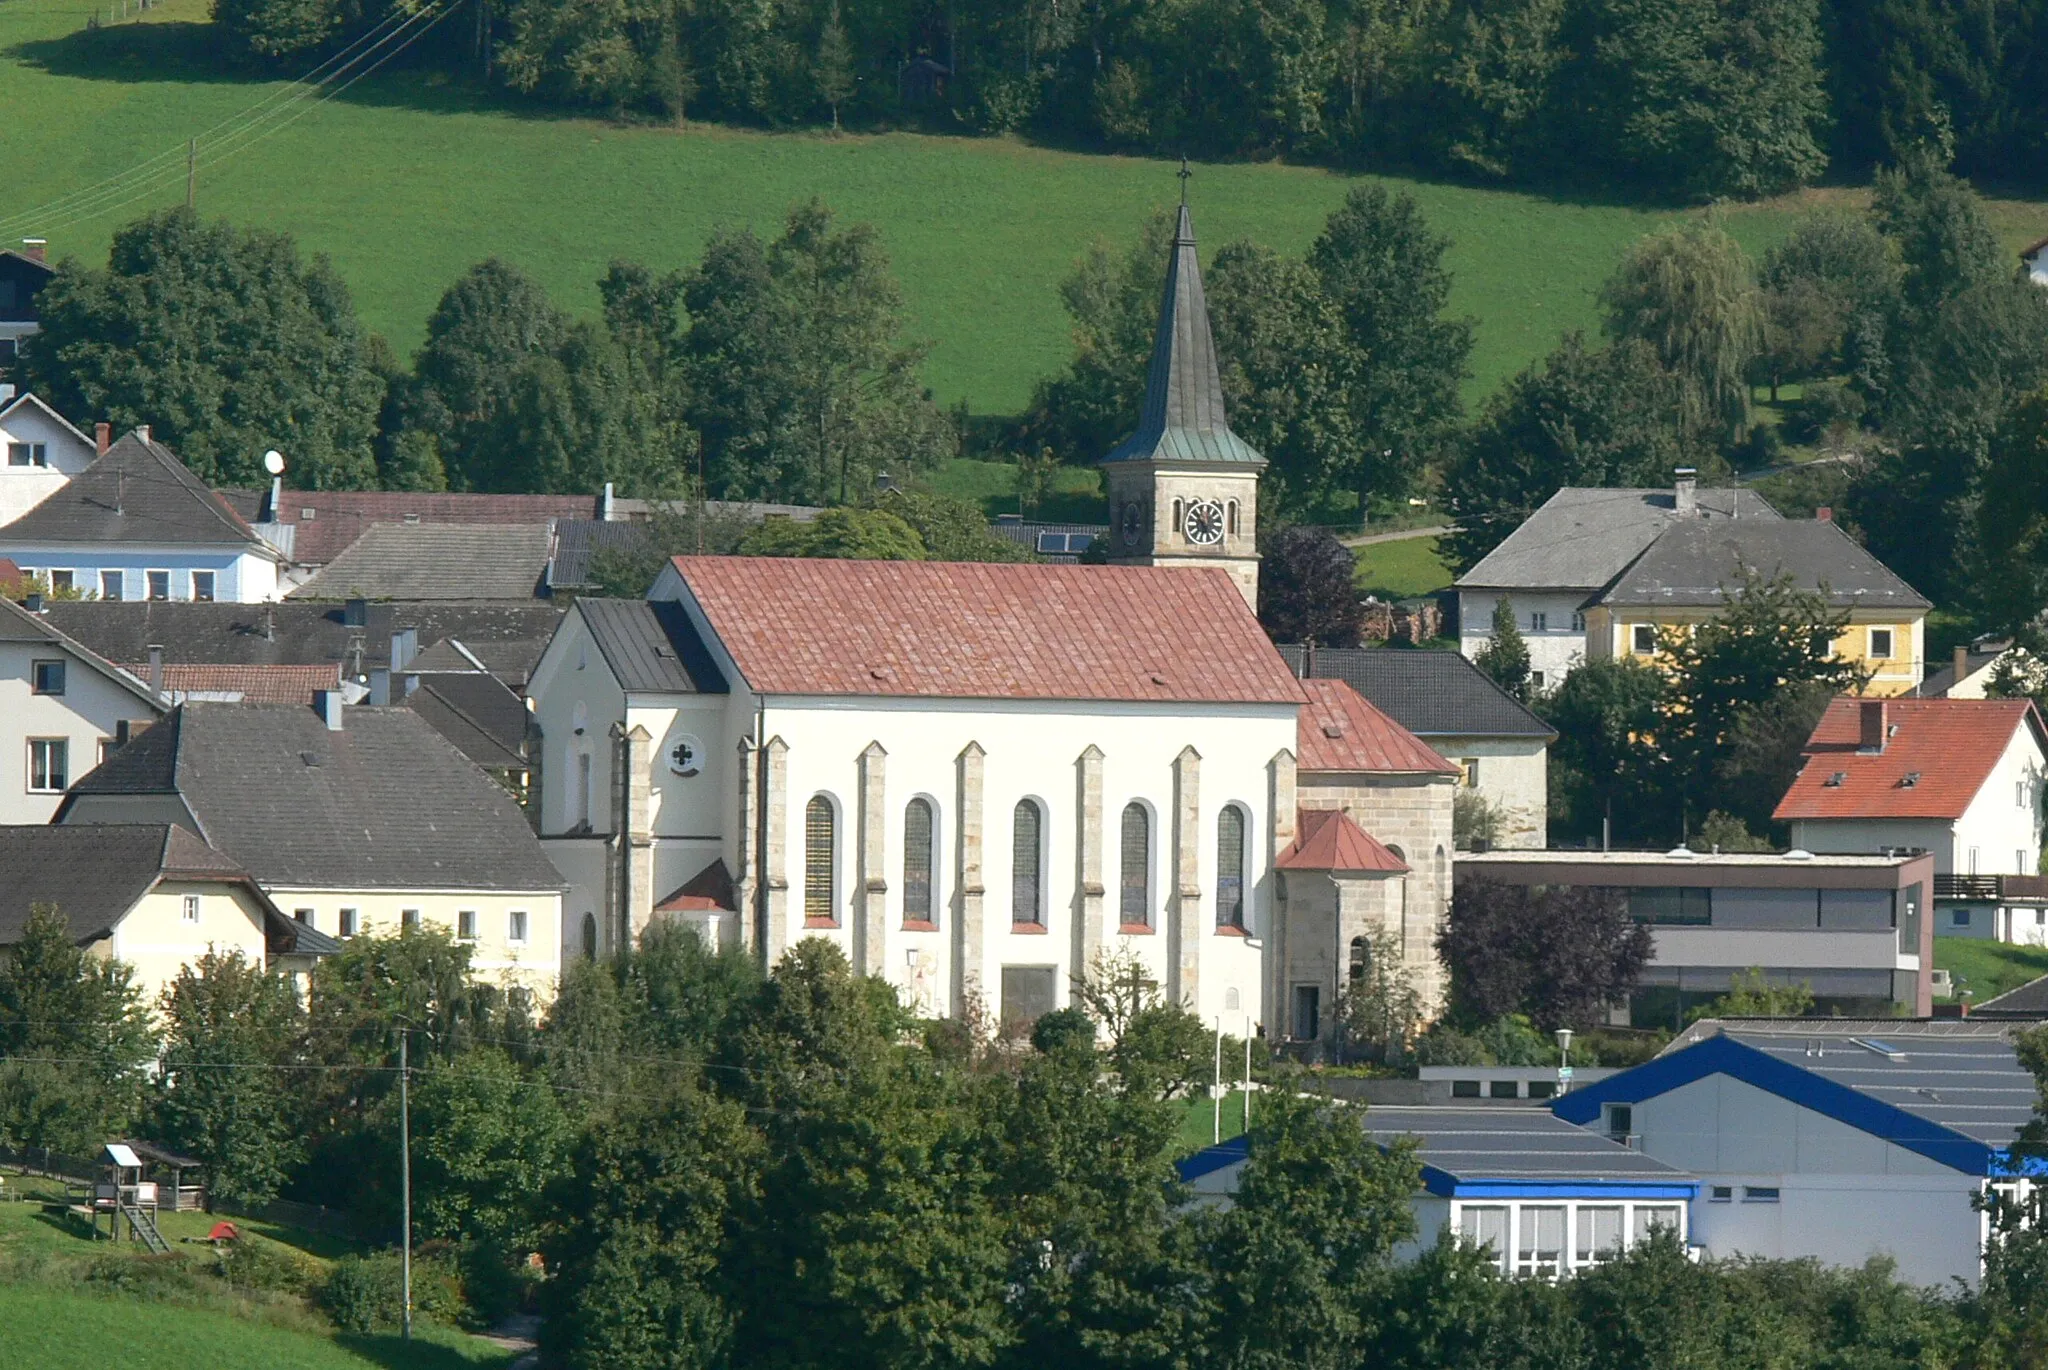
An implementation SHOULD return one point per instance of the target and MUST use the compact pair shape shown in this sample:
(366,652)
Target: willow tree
(1691,293)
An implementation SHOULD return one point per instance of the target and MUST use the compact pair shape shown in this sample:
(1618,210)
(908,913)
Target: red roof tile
(255,684)
(973,631)
(1330,841)
(1340,730)
(1937,756)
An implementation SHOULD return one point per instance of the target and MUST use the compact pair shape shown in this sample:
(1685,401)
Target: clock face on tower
(1134,523)
(1204,523)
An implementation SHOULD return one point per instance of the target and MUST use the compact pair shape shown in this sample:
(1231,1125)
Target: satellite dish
(273,462)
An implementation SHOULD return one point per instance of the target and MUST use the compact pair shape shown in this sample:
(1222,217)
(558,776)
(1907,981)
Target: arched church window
(820,837)
(1180,509)
(590,937)
(1230,867)
(1027,851)
(917,861)
(1230,517)
(1361,959)
(1135,867)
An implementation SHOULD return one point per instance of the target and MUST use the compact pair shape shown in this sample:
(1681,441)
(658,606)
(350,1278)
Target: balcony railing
(2025,887)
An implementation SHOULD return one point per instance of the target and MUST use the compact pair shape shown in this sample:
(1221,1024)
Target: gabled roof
(327,522)
(1183,418)
(1431,693)
(243,684)
(19,625)
(1954,1091)
(974,631)
(579,541)
(1502,1150)
(138,494)
(1329,841)
(414,561)
(34,401)
(1938,754)
(95,875)
(1937,684)
(1701,562)
(2027,1001)
(1340,731)
(1581,538)
(385,803)
(710,888)
(483,718)
(650,646)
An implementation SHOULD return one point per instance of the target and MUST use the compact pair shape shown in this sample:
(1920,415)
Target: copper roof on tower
(1183,419)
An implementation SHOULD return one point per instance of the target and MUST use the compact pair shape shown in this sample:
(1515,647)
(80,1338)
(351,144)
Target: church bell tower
(1183,489)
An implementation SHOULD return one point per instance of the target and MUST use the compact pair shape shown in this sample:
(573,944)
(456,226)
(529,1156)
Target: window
(590,937)
(1230,867)
(1026,848)
(1645,639)
(62,580)
(1230,518)
(1656,1218)
(1578,623)
(1134,905)
(1759,1193)
(27,454)
(159,584)
(583,795)
(1485,1227)
(110,584)
(191,908)
(1880,644)
(1504,1089)
(1465,1089)
(303,916)
(1468,768)
(49,677)
(917,861)
(1960,918)
(1542,1089)
(49,765)
(1539,1240)
(515,926)
(1029,993)
(819,849)
(1361,960)
(1721,1193)
(1307,1013)
(202,586)
(351,922)
(408,918)
(1535,680)
(2019,861)
(1539,623)
(465,925)
(1621,1122)
(1598,1237)
(1686,907)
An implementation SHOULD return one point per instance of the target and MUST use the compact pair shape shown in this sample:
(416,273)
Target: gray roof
(2028,1001)
(1937,684)
(95,875)
(415,561)
(1699,562)
(477,712)
(1056,542)
(651,647)
(507,636)
(19,625)
(1519,1143)
(1431,693)
(385,803)
(1183,418)
(139,494)
(578,541)
(1582,538)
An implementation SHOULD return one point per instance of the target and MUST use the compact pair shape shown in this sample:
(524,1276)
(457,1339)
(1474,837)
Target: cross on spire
(1184,174)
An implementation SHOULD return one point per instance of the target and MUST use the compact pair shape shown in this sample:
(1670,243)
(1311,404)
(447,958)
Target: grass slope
(1986,968)
(405,181)
(1402,569)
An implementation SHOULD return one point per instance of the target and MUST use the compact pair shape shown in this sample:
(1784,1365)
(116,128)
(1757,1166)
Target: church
(984,781)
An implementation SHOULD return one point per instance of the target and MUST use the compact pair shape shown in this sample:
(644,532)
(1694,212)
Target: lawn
(1986,968)
(1198,1122)
(1402,569)
(406,180)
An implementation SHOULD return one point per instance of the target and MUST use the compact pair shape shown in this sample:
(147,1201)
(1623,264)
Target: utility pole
(191,172)
(1216,1090)
(405,1181)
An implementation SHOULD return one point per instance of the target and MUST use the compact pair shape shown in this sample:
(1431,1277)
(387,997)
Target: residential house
(1049,541)
(1829,1139)
(42,452)
(151,895)
(1963,779)
(1970,670)
(2034,261)
(468,562)
(485,718)
(1600,574)
(1853,929)
(1544,1199)
(64,708)
(313,527)
(353,819)
(137,525)
(183,683)
(1502,750)
(24,271)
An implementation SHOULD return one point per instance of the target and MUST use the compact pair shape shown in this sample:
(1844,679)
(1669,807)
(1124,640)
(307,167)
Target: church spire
(1183,418)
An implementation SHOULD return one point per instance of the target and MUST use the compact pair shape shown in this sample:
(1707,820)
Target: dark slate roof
(1183,418)
(139,494)
(1581,538)
(419,561)
(1429,692)
(29,277)
(485,720)
(1699,562)
(508,637)
(1057,542)
(19,625)
(385,803)
(578,541)
(651,647)
(94,875)
(2028,1001)
(1937,684)
(1498,1143)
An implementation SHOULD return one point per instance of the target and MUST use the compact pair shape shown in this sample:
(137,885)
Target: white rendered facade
(1551,622)
(51,736)
(230,573)
(39,452)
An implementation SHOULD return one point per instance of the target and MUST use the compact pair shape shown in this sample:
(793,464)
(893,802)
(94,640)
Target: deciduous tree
(1691,294)
(1308,588)
(74,1038)
(1559,954)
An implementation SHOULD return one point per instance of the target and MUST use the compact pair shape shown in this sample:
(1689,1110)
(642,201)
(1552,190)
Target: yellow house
(151,895)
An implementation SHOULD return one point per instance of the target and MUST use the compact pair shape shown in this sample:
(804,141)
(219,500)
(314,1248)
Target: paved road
(1368,539)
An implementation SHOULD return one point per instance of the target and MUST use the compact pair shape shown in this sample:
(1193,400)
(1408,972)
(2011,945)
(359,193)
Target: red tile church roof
(960,630)
(1936,755)
(1340,730)
(1330,841)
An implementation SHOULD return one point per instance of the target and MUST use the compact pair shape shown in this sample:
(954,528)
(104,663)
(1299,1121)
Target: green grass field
(1988,969)
(404,181)
(1198,1121)
(1403,569)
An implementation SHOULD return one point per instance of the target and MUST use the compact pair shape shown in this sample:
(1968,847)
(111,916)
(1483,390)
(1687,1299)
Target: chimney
(142,431)
(6,395)
(327,703)
(33,601)
(103,437)
(380,688)
(1686,493)
(355,613)
(1962,667)
(1872,716)
(604,505)
(1824,514)
(156,668)
(270,623)
(270,514)
(36,249)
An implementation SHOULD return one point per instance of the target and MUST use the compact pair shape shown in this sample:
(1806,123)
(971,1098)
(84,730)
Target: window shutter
(818,843)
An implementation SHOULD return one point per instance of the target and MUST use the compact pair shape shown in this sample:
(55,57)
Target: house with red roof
(1960,778)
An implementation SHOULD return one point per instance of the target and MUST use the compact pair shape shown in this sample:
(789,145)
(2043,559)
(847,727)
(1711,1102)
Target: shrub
(1826,407)
(257,1263)
(364,1293)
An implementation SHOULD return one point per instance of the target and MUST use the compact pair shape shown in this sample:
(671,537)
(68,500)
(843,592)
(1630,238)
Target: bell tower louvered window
(819,837)
(917,861)
(1027,904)
(1230,867)
(1135,867)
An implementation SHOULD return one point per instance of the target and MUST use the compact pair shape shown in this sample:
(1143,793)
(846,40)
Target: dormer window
(1909,780)
(1835,781)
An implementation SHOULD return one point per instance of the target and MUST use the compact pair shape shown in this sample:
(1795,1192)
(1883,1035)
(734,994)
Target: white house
(63,709)
(1835,1139)
(137,525)
(2034,261)
(42,452)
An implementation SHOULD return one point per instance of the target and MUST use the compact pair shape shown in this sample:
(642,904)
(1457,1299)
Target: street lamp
(1564,1064)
